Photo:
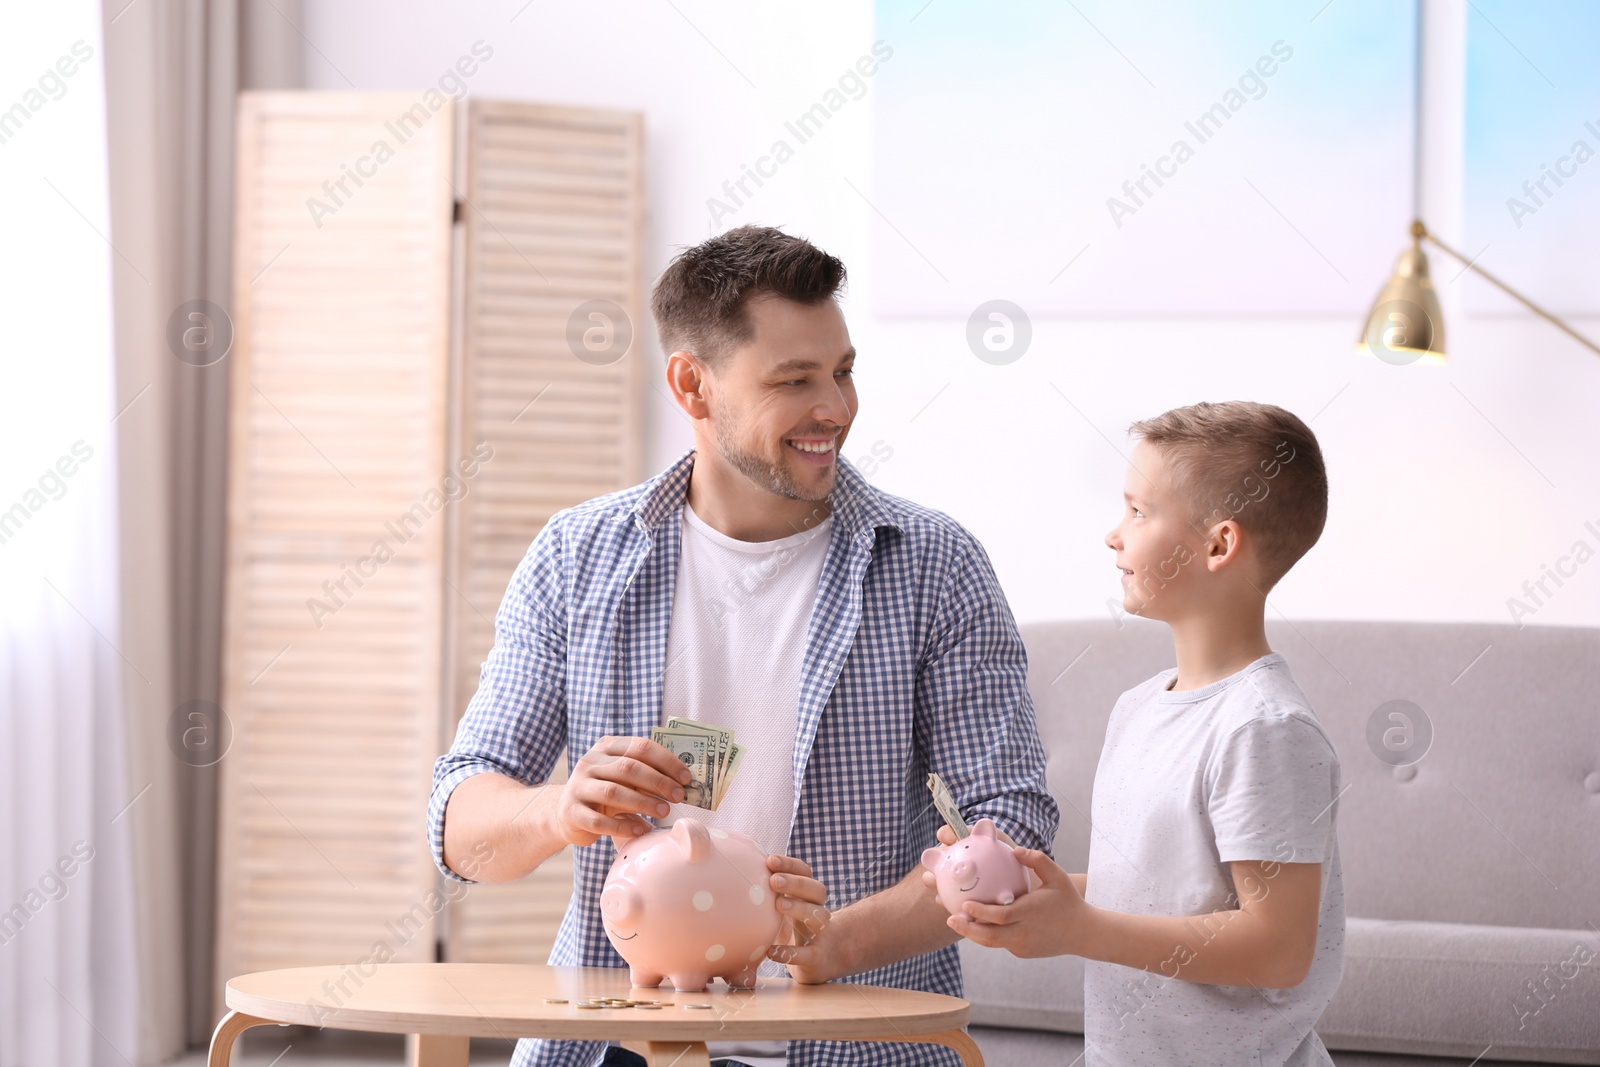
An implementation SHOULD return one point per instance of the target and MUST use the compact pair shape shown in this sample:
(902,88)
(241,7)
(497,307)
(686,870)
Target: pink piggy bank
(980,867)
(690,904)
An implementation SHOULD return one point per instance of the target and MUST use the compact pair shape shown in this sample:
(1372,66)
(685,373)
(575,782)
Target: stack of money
(947,806)
(709,752)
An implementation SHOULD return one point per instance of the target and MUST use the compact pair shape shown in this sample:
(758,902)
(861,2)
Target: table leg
(232,1025)
(959,1040)
(436,1050)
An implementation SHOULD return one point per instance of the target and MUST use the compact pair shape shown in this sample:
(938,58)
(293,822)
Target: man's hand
(615,784)
(947,837)
(1049,921)
(808,941)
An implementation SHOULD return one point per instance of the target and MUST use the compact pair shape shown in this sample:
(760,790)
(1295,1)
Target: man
(854,640)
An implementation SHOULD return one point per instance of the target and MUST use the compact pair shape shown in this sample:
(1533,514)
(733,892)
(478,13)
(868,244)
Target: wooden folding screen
(552,224)
(397,440)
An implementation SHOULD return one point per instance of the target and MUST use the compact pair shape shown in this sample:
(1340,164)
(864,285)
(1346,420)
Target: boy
(1212,912)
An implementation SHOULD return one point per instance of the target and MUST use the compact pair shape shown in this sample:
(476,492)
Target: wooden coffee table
(441,1005)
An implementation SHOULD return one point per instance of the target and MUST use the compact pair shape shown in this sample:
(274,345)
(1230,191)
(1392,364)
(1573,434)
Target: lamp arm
(1491,279)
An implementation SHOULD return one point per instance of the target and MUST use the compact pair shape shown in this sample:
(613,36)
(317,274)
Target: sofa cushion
(1044,994)
(1029,1048)
(1494,824)
(1437,989)
(1453,989)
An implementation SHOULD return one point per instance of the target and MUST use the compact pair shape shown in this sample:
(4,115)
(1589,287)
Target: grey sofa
(1472,875)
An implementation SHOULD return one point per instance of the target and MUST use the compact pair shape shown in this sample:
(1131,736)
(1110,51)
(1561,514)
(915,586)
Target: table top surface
(525,1000)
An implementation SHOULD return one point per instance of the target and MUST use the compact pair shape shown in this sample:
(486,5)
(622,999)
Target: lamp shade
(1404,325)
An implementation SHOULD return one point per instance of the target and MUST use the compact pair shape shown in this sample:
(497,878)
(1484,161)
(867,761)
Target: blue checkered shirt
(912,664)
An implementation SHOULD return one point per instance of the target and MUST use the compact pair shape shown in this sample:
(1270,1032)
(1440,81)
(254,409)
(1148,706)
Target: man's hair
(1254,463)
(699,302)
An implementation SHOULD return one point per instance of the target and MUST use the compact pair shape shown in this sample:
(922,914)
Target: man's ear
(686,377)
(1224,546)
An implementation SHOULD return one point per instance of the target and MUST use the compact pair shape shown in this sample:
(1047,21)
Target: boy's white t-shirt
(1188,782)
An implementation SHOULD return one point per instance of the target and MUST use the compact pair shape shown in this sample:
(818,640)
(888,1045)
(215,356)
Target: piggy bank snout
(980,867)
(621,907)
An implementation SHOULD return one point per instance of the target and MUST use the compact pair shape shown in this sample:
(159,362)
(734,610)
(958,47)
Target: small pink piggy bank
(980,867)
(690,904)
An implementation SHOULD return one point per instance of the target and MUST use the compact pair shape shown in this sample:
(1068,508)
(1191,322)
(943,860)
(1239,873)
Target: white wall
(1451,486)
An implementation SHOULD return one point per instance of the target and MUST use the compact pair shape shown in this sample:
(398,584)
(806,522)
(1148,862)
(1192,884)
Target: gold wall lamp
(1405,326)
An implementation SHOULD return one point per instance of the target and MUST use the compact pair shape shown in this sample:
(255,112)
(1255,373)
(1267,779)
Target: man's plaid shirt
(912,664)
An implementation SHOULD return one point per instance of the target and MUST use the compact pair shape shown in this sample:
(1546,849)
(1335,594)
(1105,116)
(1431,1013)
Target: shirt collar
(856,505)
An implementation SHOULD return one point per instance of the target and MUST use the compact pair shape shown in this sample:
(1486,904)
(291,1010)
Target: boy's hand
(1049,921)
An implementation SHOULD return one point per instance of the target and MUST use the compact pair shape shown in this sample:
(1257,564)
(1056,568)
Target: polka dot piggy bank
(979,867)
(690,904)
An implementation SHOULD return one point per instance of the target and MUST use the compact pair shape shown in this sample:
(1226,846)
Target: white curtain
(68,987)
(173,69)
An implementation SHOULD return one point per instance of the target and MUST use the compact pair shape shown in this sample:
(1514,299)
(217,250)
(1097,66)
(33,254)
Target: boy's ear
(1224,546)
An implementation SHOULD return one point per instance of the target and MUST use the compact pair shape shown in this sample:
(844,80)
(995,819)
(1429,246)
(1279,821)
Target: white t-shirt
(740,612)
(1188,782)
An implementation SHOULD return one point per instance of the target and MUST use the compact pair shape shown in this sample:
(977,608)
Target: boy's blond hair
(1254,463)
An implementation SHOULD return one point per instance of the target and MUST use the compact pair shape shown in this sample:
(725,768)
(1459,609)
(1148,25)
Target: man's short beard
(774,478)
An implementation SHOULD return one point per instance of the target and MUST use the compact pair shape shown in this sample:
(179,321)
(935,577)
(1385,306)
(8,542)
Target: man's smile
(815,450)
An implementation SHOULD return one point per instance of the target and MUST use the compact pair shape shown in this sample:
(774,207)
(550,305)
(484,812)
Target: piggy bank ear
(985,828)
(691,836)
(931,858)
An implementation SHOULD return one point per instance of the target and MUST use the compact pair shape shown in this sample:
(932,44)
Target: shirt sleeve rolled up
(515,724)
(974,711)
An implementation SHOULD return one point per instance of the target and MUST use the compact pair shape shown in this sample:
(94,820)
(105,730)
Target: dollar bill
(722,737)
(722,755)
(947,806)
(696,751)
(735,754)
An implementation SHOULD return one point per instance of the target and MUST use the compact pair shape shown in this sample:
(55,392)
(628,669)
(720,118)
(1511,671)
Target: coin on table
(699,1007)
(554,1000)
(589,1007)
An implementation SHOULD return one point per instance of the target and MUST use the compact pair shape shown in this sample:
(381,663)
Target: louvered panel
(339,433)
(511,923)
(556,220)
